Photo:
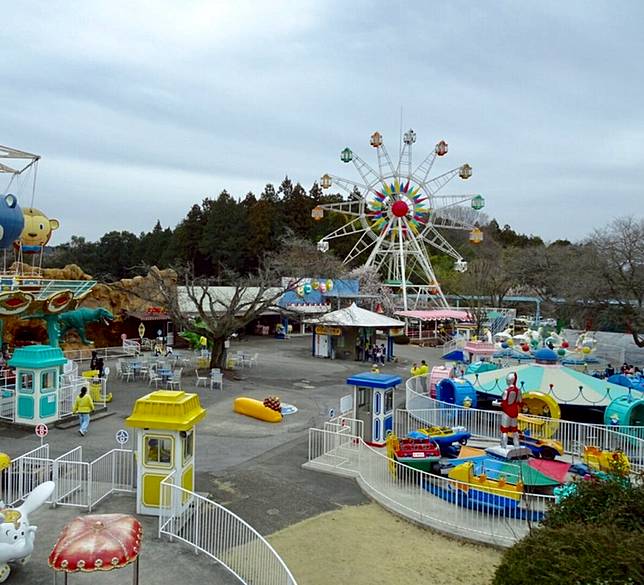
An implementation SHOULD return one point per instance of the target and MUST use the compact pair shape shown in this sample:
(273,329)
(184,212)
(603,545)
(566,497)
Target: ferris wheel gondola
(397,212)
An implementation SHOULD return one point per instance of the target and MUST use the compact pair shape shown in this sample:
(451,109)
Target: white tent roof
(354,316)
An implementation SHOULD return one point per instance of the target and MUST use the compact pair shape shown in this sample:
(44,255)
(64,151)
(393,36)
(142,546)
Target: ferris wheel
(398,215)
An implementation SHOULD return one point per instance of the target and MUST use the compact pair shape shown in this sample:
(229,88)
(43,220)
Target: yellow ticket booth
(165,443)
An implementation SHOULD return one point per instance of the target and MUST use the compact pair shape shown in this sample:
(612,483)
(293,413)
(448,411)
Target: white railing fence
(222,535)
(80,484)
(426,411)
(501,518)
(70,473)
(112,472)
(8,402)
(131,347)
(85,354)
(345,425)
(25,473)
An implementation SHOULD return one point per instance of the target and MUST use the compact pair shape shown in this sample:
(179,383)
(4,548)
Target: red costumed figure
(510,404)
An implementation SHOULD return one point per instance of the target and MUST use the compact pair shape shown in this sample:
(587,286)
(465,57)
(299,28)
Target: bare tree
(486,282)
(216,312)
(619,252)
(600,279)
(370,282)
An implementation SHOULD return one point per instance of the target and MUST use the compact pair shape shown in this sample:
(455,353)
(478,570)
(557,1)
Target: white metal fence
(25,473)
(458,508)
(67,393)
(81,484)
(85,354)
(8,402)
(131,348)
(222,535)
(422,410)
(345,425)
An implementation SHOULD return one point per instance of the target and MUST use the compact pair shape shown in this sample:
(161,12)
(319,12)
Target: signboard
(326,330)
(346,404)
(41,431)
(141,330)
(122,437)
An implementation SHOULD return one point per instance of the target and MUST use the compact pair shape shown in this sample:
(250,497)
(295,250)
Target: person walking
(423,372)
(383,354)
(83,406)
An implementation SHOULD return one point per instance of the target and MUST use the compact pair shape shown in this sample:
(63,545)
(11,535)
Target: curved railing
(422,409)
(500,517)
(214,530)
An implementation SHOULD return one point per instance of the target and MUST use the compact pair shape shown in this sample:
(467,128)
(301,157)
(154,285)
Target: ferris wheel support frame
(398,212)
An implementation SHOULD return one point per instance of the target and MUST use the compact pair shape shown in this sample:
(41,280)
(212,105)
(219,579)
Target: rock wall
(127,295)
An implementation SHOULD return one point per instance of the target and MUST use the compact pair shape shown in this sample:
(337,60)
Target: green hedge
(574,555)
(594,536)
(613,501)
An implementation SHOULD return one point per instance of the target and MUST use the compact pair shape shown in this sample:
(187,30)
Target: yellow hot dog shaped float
(257,409)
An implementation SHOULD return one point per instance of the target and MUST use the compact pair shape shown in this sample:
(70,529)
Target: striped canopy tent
(565,385)
(437,315)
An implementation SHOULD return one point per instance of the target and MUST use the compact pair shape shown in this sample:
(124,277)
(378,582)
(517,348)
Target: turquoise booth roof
(37,357)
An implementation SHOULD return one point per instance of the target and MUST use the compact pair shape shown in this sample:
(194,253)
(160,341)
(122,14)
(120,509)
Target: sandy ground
(328,549)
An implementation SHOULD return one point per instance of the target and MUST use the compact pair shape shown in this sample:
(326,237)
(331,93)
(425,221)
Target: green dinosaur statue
(59,324)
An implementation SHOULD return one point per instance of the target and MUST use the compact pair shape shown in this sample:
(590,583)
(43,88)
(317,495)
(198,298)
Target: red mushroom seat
(97,542)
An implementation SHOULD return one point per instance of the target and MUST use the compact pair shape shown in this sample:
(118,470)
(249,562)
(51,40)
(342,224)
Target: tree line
(219,234)
(223,233)
(597,281)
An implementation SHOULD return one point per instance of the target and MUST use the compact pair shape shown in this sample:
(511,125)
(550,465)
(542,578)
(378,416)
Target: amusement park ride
(24,233)
(397,213)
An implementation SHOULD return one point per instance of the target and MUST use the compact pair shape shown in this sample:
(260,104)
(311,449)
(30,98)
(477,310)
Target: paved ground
(250,466)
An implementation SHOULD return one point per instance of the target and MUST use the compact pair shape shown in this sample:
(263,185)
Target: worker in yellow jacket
(83,406)
(423,372)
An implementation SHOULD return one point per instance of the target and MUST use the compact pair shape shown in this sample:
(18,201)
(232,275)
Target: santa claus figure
(510,405)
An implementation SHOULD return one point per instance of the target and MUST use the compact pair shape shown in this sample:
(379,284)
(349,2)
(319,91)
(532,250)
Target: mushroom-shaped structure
(545,356)
(98,542)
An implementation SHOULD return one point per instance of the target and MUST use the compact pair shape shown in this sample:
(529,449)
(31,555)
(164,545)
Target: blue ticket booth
(38,372)
(373,404)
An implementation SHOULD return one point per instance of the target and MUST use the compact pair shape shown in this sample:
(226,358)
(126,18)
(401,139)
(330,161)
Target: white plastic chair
(126,371)
(153,377)
(200,379)
(176,379)
(216,379)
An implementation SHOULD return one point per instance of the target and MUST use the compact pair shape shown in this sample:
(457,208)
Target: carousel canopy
(436,315)
(568,386)
(354,316)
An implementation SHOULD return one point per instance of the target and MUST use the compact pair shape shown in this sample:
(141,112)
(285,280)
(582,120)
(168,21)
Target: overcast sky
(139,109)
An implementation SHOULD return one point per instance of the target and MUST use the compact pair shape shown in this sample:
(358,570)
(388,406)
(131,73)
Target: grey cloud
(542,98)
